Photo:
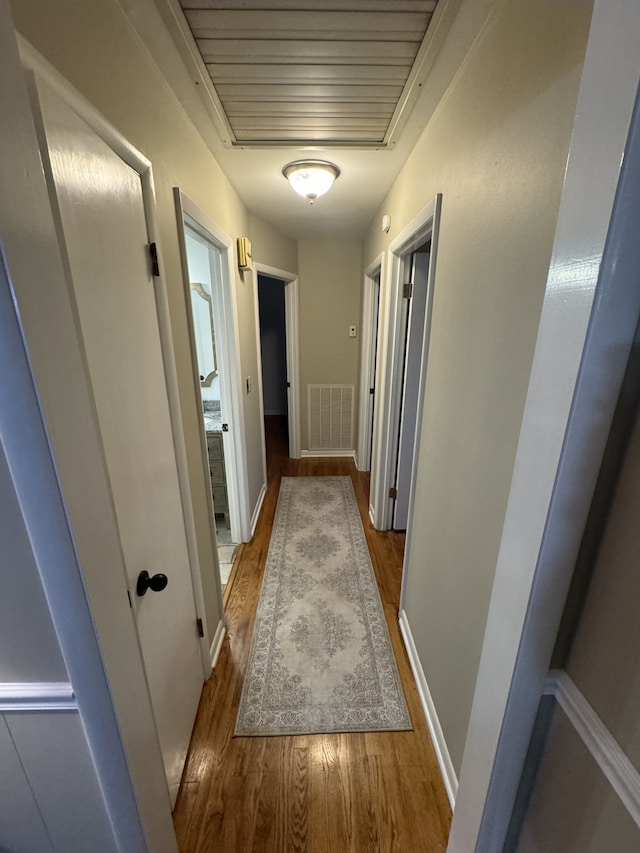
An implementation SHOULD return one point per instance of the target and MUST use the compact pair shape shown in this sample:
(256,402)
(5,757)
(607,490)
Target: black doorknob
(157,583)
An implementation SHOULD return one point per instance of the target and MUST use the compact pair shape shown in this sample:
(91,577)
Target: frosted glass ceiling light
(311,178)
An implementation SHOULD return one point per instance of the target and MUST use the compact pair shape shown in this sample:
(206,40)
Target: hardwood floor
(349,792)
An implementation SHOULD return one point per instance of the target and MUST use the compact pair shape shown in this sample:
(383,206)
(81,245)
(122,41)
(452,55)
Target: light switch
(352,331)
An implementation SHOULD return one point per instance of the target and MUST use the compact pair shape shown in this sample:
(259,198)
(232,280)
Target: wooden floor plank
(371,791)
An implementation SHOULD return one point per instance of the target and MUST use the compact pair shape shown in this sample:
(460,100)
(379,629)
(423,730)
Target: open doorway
(404,328)
(205,269)
(276,301)
(273,354)
(211,315)
(368,363)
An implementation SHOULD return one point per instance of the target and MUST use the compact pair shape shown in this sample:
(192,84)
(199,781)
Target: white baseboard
(216,645)
(365,466)
(311,453)
(372,515)
(258,507)
(435,729)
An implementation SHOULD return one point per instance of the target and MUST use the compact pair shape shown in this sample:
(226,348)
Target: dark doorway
(273,351)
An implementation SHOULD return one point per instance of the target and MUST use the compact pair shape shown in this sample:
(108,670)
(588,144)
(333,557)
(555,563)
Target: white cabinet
(215,450)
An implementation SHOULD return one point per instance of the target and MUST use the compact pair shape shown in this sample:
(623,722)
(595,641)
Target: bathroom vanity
(215,450)
(218,477)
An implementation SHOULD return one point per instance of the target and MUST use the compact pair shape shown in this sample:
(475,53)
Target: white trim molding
(216,645)
(309,454)
(603,747)
(373,276)
(435,729)
(41,696)
(257,508)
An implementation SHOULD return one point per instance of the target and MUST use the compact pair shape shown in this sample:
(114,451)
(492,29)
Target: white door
(373,364)
(104,229)
(411,386)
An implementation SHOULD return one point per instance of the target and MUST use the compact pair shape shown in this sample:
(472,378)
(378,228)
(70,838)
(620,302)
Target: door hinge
(407,290)
(393,492)
(225,427)
(288,385)
(372,390)
(200,627)
(153,253)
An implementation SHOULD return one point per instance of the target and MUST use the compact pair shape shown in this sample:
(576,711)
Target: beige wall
(496,149)
(330,284)
(271,248)
(95,48)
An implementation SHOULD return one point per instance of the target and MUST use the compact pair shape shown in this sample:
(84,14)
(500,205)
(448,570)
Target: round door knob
(156,583)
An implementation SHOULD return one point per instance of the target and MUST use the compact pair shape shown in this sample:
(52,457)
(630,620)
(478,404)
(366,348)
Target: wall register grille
(331,417)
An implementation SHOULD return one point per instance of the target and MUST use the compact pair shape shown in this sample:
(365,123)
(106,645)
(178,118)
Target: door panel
(573,808)
(604,660)
(411,387)
(570,803)
(373,366)
(102,219)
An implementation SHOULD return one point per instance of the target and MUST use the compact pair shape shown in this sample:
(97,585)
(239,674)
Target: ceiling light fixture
(311,178)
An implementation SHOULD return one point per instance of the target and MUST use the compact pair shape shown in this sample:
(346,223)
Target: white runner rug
(321,658)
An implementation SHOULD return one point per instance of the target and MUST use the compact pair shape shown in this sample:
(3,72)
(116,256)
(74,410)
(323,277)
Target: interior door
(411,387)
(373,365)
(98,199)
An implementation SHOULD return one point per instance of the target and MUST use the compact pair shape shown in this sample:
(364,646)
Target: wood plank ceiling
(312,72)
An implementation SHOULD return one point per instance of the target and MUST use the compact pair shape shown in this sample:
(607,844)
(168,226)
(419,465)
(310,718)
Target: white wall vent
(331,417)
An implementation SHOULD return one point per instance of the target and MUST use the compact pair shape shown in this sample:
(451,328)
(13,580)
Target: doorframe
(424,226)
(292,326)
(228,353)
(584,337)
(87,595)
(369,309)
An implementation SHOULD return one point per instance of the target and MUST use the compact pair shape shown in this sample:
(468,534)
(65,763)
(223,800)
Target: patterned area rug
(321,658)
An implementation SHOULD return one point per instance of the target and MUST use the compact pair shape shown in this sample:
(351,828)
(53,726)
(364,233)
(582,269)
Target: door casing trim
(424,226)
(365,437)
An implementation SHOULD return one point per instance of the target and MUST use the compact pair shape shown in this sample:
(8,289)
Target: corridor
(347,792)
